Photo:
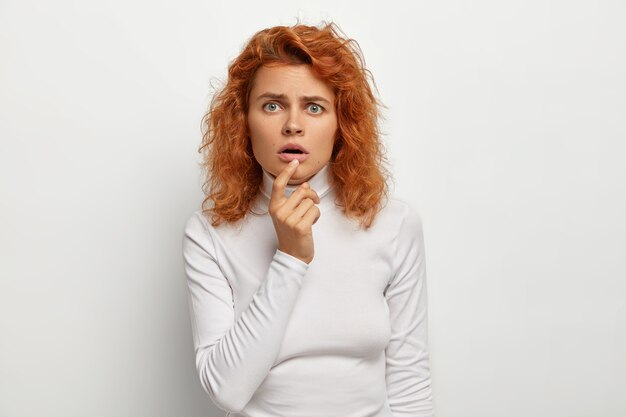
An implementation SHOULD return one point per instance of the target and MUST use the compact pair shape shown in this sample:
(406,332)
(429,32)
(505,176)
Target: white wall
(506,130)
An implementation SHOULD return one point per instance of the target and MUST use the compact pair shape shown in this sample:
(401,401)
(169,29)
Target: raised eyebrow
(314,98)
(275,96)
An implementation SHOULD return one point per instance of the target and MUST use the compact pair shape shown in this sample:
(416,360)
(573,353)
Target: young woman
(307,283)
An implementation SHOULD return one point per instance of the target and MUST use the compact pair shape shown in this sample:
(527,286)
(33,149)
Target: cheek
(261,137)
(255,131)
(260,128)
(253,124)
(331,134)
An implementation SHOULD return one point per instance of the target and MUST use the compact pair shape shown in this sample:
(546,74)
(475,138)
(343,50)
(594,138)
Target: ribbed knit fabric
(343,336)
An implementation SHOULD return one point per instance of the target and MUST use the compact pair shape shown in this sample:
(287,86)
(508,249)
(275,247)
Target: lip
(288,157)
(292,145)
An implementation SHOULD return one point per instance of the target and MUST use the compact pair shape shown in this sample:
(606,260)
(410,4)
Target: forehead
(289,79)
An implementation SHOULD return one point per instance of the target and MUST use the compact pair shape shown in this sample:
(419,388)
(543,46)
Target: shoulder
(199,229)
(198,235)
(197,222)
(403,214)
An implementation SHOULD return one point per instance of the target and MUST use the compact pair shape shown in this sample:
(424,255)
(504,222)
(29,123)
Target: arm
(233,357)
(408,370)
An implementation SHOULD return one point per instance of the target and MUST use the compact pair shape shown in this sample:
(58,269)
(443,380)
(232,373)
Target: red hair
(357,166)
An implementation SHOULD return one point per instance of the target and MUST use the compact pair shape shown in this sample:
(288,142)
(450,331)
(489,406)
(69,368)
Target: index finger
(278,188)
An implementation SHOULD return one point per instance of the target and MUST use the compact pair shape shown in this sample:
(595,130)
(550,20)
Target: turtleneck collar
(320,182)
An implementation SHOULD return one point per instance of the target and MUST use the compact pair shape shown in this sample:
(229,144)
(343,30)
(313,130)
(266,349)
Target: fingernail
(293,162)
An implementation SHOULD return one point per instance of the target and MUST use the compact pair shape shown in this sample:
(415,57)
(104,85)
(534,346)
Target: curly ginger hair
(358,162)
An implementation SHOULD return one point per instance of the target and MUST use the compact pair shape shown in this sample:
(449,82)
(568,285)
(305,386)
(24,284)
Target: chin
(295,181)
(297,177)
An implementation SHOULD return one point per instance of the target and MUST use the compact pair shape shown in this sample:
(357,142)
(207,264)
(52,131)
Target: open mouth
(292,148)
(293,151)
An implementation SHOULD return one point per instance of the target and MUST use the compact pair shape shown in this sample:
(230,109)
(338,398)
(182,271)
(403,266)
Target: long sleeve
(407,358)
(233,357)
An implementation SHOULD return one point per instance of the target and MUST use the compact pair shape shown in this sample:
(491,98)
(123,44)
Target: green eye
(271,107)
(316,108)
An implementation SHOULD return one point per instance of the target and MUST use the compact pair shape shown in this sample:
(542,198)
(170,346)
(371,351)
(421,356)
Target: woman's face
(290,105)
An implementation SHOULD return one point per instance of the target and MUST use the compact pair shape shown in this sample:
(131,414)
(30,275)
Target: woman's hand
(294,216)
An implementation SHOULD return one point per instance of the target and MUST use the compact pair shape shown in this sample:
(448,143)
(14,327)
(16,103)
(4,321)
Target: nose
(293,126)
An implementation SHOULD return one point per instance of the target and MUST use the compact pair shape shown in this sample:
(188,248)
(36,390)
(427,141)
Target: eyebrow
(284,97)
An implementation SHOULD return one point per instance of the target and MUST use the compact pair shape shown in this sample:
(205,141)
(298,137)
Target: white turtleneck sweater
(343,336)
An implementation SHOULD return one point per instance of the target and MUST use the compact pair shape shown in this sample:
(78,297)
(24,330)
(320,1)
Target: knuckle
(276,187)
(280,215)
(302,228)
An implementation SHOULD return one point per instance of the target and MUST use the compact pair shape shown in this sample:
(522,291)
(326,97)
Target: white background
(506,130)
